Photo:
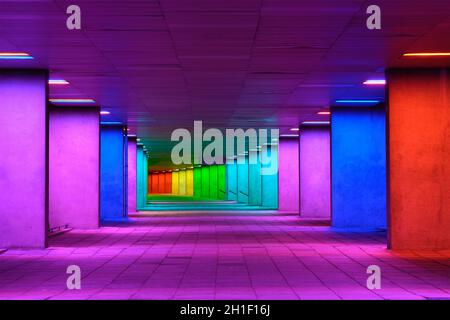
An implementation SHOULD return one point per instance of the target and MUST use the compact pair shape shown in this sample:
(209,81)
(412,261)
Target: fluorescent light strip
(57,82)
(72,101)
(324,113)
(289,136)
(316,123)
(427,54)
(295,129)
(105,113)
(15,56)
(375,82)
(358,101)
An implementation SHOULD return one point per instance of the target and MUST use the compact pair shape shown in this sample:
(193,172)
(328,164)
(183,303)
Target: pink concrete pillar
(132,178)
(315,185)
(74,174)
(24,158)
(288,189)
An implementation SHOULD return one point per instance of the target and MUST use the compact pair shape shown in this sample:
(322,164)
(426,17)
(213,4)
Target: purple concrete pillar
(74,160)
(132,162)
(288,189)
(315,185)
(23,164)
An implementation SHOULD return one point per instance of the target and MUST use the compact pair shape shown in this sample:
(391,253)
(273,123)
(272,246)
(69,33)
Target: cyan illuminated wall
(242,171)
(112,173)
(270,180)
(254,179)
(358,162)
(141,174)
(232,181)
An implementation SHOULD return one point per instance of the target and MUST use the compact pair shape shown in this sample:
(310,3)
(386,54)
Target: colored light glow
(73,101)
(375,82)
(105,113)
(355,101)
(316,122)
(324,113)
(15,56)
(427,54)
(57,82)
(295,129)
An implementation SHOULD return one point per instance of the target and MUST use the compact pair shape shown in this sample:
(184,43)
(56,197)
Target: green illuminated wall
(222,182)
(213,183)
(197,182)
(205,182)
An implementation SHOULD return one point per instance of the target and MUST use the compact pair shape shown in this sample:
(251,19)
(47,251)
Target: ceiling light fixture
(324,113)
(316,123)
(72,101)
(357,101)
(375,82)
(15,56)
(295,129)
(105,113)
(57,82)
(427,54)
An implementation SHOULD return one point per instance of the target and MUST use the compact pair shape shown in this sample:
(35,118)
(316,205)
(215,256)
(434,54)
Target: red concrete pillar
(419,158)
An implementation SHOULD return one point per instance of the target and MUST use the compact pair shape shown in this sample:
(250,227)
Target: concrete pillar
(182,182)
(269,179)
(358,167)
(214,183)
(288,192)
(254,179)
(232,180)
(113,175)
(132,174)
(24,159)
(419,159)
(315,172)
(74,161)
(242,186)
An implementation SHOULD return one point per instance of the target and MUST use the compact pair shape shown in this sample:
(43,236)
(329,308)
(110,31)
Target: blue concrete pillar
(232,181)
(358,167)
(242,172)
(113,173)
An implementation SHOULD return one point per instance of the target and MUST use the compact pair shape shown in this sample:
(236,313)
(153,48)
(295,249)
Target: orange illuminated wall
(155,183)
(419,158)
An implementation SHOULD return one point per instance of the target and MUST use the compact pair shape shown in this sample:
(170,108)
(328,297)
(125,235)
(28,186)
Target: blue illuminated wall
(358,166)
(113,179)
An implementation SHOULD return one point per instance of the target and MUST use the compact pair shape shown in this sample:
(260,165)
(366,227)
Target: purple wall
(132,193)
(23,182)
(315,188)
(74,156)
(288,183)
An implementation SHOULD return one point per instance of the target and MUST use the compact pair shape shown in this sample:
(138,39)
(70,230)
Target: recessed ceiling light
(15,56)
(295,129)
(289,135)
(427,54)
(375,82)
(316,123)
(105,113)
(57,82)
(324,113)
(73,101)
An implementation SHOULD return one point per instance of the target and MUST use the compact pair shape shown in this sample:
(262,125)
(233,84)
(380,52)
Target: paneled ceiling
(160,65)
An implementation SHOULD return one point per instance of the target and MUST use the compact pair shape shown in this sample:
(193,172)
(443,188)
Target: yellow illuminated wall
(175,182)
(190,182)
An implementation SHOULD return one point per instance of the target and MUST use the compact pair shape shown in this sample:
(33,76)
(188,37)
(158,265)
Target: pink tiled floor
(222,257)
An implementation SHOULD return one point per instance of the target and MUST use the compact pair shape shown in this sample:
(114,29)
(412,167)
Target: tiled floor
(222,257)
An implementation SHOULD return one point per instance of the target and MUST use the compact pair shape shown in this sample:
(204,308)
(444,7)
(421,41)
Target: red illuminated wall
(168,183)
(160,183)
(155,182)
(419,159)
